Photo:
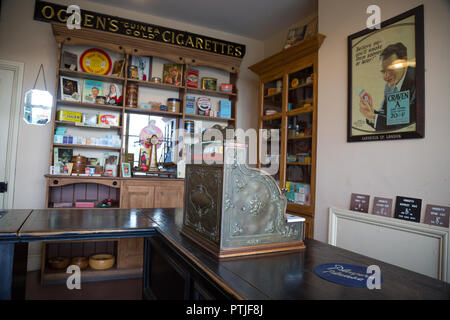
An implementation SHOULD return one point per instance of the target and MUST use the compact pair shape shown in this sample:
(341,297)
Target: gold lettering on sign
(44,11)
(61,19)
(222,45)
(208,44)
(101,22)
(230,50)
(238,52)
(164,36)
(190,42)
(114,25)
(180,42)
(88,20)
(215,46)
(198,43)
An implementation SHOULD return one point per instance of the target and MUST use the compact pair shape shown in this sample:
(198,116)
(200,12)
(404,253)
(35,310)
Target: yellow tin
(69,116)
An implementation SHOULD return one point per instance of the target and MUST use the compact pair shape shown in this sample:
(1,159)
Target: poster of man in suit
(383,86)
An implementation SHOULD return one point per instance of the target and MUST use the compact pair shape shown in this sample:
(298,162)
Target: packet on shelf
(108,119)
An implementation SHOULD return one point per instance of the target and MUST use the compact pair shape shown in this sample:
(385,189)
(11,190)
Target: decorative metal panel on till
(233,210)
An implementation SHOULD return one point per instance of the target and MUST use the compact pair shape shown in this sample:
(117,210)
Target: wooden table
(187,271)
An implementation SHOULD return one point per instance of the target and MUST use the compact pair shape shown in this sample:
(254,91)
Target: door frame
(13,132)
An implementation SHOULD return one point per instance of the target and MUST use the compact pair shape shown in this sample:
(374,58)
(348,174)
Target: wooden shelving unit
(299,62)
(136,192)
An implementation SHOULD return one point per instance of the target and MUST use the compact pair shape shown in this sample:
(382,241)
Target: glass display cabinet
(288,103)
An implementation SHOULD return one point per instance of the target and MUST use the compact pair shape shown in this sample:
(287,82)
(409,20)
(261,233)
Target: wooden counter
(289,275)
(186,271)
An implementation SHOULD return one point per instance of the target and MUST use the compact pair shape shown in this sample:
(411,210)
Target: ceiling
(256,19)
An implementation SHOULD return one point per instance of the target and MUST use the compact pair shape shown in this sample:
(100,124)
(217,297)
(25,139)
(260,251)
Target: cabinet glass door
(301,90)
(273,99)
(270,147)
(299,148)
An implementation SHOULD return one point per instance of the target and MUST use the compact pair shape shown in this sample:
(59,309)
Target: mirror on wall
(37,107)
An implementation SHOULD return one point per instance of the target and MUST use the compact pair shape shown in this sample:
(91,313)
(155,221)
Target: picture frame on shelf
(113,93)
(69,61)
(126,170)
(71,89)
(173,74)
(118,67)
(91,90)
(143,66)
(389,105)
(294,35)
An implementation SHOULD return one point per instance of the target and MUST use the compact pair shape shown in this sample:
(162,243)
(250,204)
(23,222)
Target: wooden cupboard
(152,194)
(288,122)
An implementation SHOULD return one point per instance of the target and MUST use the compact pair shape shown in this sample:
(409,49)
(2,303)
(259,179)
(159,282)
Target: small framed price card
(360,202)
(408,209)
(437,215)
(382,207)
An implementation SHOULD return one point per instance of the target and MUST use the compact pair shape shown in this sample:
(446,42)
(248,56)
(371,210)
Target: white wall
(415,168)
(26,40)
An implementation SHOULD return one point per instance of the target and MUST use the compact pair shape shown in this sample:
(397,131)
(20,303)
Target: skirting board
(414,246)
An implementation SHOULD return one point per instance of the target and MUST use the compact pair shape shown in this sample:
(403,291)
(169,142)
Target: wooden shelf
(74,124)
(155,85)
(85,146)
(62,176)
(299,209)
(297,164)
(206,92)
(298,111)
(89,275)
(154,112)
(300,137)
(90,76)
(309,84)
(271,117)
(89,105)
(198,116)
(273,94)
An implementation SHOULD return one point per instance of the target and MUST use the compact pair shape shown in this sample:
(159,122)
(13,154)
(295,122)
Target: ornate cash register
(232,210)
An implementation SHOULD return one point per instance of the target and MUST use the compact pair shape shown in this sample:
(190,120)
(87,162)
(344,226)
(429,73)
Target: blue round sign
(345,274)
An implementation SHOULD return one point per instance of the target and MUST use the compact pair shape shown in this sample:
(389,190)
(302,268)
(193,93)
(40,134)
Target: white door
(11,74)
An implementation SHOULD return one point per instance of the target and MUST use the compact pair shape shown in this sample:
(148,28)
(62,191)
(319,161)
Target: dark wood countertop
(291,275)
(10,222)
(282,276)
(63,223)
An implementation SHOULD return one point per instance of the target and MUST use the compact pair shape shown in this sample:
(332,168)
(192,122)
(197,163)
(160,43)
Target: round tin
(132,95)
(100,100)
(189,126)
(173,104)
(133,72)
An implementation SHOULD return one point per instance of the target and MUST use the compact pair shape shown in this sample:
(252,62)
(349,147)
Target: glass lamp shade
(38,107)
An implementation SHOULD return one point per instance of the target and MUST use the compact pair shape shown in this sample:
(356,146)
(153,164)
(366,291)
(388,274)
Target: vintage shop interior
(116,157)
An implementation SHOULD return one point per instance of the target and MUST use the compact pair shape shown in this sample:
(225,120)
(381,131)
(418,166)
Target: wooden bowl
(101,261)
(82,262)
(58,263)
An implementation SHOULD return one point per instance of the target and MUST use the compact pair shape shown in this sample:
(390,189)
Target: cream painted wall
(415,168)
(26,40)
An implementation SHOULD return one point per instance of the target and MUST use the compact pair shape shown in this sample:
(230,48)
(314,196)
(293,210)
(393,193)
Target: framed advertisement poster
(386,90)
